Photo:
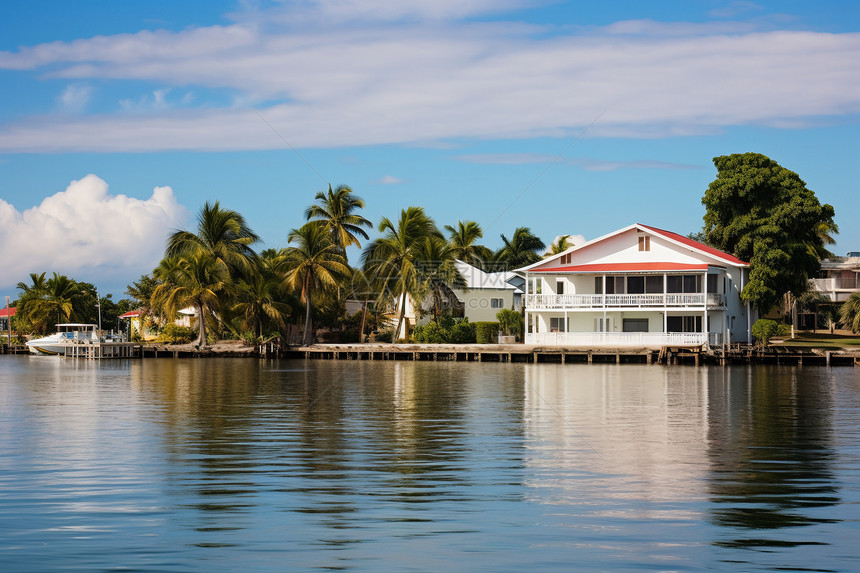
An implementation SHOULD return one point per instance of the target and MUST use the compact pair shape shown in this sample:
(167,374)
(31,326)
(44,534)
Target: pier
(535,354)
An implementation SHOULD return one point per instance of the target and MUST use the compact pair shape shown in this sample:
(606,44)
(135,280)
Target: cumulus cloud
(88,233)
(432,71)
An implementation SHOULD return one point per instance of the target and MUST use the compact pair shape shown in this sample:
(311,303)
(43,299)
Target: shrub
(510,322)
(384,336)
(765,329)
(462,332)
(486,332)
(447,330)
(175,334)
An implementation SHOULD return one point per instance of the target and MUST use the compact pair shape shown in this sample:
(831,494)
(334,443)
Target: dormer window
(645,243)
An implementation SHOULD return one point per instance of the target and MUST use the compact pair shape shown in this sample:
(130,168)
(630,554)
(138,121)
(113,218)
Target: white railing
(835,283)
(591,301)
(623,339)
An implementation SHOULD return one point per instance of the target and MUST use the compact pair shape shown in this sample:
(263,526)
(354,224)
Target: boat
(67,334)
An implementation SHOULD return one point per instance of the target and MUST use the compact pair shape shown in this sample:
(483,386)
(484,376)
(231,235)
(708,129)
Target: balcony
(623,339)
(625,301)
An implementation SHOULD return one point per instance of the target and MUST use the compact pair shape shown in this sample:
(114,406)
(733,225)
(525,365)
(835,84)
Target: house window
(683,324)
(635,285)
(497,303)
(598,325)
(644,243)
(684,283)
(634,325)
(614,285)
(598,285)
(559,287)
(557,325)
(654,284)
(712,283)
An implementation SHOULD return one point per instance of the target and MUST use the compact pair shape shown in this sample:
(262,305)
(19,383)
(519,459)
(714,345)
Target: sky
(578,118)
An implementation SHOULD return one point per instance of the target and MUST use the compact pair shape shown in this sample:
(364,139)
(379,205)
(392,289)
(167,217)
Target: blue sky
(566,117)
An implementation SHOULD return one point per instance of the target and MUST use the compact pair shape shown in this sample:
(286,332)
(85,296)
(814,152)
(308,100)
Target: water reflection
(771,455)
(242,464)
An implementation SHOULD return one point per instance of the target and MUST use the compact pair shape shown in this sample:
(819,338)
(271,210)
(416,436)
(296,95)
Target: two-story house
(637,286)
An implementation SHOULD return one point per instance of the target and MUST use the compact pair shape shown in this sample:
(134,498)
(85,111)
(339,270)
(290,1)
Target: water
(235,464)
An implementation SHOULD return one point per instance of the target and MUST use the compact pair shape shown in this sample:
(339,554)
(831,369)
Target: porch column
(705,305)
(665,307)
(605,326)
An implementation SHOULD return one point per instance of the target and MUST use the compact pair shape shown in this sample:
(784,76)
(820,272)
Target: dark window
(634,325)
(635,285)
(692,283)
(712,283)
(683,324)
(598,285)
(654,284)
(674,283)
(559,287)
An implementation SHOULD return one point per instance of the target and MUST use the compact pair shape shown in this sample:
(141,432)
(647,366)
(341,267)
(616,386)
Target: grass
(822,340)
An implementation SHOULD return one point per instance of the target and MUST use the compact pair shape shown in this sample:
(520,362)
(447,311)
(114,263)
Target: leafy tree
(193,280)
(393,260)
(258,303)
(764,214)
(438,271)
(849,312)
(765,329)
(510,322)
(560,245)
(521,250)
(223,235)
(335,211)
(315,264)
(463,243)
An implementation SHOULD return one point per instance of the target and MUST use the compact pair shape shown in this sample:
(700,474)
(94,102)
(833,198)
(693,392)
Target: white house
(486,293)
(637,286)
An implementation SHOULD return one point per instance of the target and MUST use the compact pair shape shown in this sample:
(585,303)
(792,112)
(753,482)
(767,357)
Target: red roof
(696,245)
(131,314)
(623,267)
(3,313)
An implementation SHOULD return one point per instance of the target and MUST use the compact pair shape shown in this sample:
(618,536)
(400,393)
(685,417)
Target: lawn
(822,340)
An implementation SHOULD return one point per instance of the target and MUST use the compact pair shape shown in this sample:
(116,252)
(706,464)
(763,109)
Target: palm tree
(193,280)
(560,245)
(438,271)
(335,212)
(222,234)
(392,261)
(849,313)
(258,302)
(315,263)
(824,231)
(463,246)
(521,250)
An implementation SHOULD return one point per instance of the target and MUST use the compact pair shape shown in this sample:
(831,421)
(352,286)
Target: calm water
(221,465)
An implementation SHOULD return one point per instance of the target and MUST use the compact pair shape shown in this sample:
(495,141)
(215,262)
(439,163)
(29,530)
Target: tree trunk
(201,327)
(363,319)
(308,337)
(402,314)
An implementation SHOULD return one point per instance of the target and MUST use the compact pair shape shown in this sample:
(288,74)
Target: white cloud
(389,180)
(75,97)
(89,234)
(421,75)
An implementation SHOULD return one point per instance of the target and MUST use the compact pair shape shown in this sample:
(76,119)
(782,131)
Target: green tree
(438,272)
(223,235)
(393,260)
(560,245)
(194,280)
(522,249)
(258,303)
(849,312)
(315,263)
(463,243)
(764,214)
(335,211)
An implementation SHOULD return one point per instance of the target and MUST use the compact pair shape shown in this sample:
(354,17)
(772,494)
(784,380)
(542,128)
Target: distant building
(839,277)
(637,286)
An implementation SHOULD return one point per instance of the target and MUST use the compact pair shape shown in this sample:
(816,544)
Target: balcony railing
(596,301)
(836,283)
(623,339)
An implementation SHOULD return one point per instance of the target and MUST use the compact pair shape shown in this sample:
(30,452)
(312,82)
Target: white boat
(67,334)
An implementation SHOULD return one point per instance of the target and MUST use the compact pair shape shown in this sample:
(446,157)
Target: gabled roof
(695,245)
(11,312)
(669,236)
(477,279)
(130,314)
(624,267)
